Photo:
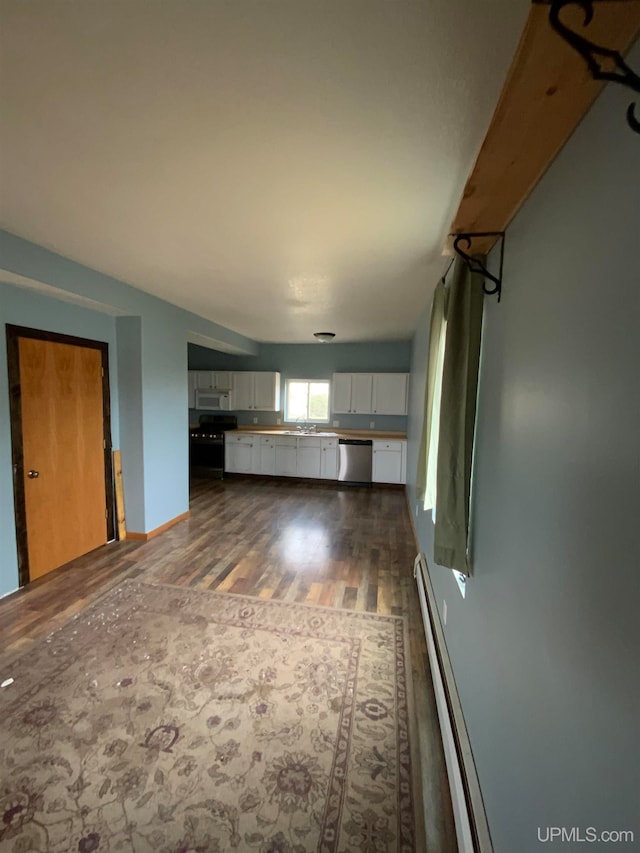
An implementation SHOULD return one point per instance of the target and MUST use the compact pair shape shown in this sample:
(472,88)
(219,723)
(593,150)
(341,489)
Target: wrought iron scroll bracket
(475,264)
(594,53)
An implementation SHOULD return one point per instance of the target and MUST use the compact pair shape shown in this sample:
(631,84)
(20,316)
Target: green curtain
(436,328)
(457,417)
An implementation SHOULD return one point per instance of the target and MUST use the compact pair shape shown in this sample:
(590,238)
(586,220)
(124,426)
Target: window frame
(308,419)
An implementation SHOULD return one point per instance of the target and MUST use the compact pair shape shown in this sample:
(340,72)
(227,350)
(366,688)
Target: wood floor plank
(317,543)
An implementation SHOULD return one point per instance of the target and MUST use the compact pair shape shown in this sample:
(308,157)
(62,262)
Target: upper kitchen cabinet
(257,391)
(352,393)
(207,380)
(390,393)
(370,393)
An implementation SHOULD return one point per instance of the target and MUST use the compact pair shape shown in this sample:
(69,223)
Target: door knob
(33,475)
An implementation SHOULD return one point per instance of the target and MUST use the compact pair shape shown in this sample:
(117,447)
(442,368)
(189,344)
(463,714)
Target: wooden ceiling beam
(547,92)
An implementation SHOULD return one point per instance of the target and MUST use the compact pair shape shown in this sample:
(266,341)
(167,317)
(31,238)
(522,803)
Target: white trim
(459,760)
(11,591)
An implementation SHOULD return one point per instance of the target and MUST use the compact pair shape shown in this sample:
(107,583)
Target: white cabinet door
(352,393)
(242,391)
(341,402)
(255,391)
(222,380)
(309,452)
(329,459)
(361,390)
(390,393)
(267,455)
(388,461)
(266,395)
(242,453)
(204,379)
(231,458)
(286,460)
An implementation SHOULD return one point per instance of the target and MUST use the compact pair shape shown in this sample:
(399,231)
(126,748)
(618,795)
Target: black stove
(206,445)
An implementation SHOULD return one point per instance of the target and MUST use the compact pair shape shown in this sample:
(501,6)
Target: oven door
(216,401)
(206,456)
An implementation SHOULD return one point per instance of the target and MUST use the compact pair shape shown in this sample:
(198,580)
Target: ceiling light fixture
(325,337)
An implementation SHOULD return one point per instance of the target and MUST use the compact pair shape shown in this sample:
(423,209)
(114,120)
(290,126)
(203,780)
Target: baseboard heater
(472,829)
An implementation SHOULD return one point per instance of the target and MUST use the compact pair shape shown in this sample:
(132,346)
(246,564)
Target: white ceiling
(277,166)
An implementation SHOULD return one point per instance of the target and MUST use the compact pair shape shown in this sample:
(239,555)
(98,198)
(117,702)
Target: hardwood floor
(320,543)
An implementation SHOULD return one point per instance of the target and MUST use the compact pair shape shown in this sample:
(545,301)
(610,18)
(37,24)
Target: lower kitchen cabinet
(241,454)
(307,456)
(286,463)
(309,453)
(329,459)
(267,455)
(389,462)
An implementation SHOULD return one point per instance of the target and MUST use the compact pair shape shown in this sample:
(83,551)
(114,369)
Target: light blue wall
(545,646)
(314,361)
(148,382)
(26,308)
(129,348)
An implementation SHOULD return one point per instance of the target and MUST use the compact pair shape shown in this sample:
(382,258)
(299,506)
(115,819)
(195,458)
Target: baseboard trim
(131,534)
(472,828)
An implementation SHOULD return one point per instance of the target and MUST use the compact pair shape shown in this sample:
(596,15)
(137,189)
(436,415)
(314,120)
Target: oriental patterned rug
(174,720)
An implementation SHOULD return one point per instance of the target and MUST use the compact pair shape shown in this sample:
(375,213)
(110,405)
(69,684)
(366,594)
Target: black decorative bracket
(475,264)
(594,53)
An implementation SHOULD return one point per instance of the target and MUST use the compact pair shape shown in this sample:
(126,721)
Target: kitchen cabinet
(286,461)
(207,380)
(390,392)
(389,462)
(370,393)
(352,393)
(329,458)
(257,391)
(267,454)
(309,454)
(242,453)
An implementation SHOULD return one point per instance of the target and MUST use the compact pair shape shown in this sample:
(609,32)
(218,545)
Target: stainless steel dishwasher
(355,460)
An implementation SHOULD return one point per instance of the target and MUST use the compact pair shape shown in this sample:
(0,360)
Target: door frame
(14,333)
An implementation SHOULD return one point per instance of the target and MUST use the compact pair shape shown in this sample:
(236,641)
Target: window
(446,450)
(307,400)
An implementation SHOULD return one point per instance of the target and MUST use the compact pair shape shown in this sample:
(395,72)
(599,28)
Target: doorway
(61,447)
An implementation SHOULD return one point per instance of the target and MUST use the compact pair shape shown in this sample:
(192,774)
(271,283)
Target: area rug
(176,720)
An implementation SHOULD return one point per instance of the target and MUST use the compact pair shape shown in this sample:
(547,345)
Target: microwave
(216,401)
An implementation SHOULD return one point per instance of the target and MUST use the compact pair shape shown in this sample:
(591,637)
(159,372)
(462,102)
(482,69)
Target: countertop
(337,433)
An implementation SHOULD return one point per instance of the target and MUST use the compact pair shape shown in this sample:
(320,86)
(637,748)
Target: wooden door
(62,419)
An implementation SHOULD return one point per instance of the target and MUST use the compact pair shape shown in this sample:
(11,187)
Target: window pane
(318,401)
(297,396)
(307,400)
